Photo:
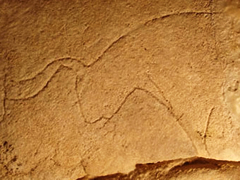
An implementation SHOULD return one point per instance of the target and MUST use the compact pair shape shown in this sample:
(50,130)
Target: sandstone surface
(93,88)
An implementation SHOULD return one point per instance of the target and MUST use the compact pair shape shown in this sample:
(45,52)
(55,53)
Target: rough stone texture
(181,169)
(91,88)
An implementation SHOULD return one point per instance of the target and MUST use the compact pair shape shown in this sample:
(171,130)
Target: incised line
(170,109)
(44,87)
(124,101)
(206,129)
(106,50)
(68,58)
(159,90)
(4,95)
(123,36)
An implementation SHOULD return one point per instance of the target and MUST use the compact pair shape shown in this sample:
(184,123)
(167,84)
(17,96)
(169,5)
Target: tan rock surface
(91,88)
(181,169)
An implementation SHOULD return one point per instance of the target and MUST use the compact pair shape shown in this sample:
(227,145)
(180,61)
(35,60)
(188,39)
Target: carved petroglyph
(135,91)
(30,87)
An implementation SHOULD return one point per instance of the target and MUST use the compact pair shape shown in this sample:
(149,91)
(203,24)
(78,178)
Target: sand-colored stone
(181,169)
(92,88)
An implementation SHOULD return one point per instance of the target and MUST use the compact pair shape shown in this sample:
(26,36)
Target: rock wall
(92,88)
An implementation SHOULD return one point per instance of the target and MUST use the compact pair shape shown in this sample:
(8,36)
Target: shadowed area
(190,168)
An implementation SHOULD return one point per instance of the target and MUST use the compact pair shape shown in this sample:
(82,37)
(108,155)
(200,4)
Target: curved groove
(78,99)
(44,87)
(99,58)
(124,101)
(120,38)
(52,63)
(49,67)
(145,23)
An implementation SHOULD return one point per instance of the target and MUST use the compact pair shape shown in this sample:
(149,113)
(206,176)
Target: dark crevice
(171,168)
